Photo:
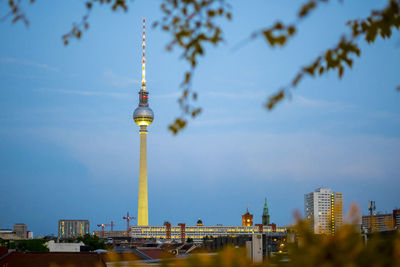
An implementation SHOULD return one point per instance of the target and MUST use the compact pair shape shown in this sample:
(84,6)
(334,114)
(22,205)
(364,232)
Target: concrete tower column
(143,209)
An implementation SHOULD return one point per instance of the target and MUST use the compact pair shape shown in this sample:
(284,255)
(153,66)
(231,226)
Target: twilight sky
(69,148)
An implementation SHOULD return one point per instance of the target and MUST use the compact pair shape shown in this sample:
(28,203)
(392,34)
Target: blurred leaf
(306,8)
(291,30)
(341,69)
(274,99)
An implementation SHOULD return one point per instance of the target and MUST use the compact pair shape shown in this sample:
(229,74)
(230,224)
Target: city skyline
(69,146)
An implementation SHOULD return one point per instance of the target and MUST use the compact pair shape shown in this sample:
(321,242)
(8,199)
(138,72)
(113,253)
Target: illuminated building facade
(381,222)
(324,210)
(143,117)
(247,219)
(72,228)
(181,232)
(377,222)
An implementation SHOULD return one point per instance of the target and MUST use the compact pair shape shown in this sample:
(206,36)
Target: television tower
(143,116)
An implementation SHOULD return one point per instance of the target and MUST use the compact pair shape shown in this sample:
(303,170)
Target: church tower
(265,215)
(247,218)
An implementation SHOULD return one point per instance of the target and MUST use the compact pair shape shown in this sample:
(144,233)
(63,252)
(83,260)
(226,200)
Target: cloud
(115,80)
(235,82)
(308,156)
(84,93)
(218,157)
(223,121)
(247,94)
(175,94)
(384,115)
(319,103)
(27,63)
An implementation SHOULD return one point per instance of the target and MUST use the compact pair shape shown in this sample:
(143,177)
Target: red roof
(3,251)
(45,259)
(153,253)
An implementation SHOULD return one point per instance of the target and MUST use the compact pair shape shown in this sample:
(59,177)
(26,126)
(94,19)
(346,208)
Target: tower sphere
(143,116)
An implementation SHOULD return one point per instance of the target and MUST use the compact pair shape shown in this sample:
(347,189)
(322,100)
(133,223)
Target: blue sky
(69,147)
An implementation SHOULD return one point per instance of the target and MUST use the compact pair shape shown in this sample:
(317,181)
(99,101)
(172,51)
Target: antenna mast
(144,60)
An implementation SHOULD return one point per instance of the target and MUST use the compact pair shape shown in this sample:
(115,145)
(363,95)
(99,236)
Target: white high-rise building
(324,210)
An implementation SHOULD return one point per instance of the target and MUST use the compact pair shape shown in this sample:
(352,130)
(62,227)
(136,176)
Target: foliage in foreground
(346,248)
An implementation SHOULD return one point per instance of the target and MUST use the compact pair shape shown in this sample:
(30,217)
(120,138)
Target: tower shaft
(143,208)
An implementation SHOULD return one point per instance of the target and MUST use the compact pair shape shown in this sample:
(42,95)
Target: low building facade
(63,247)
(181,232)
(8,234)
(111,234)
(381,222)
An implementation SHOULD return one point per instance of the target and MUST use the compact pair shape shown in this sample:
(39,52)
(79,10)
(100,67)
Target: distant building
(29,234)
(199,222)
(265,215)
(247,219)
(198,233)
(254,248)
(396,218)
(377,222)
(21,230)
(324,210)
(381,222)
(8,234)
(111,234)
(63,247)
(72,228)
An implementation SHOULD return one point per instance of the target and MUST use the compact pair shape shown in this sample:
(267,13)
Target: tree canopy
(92,241)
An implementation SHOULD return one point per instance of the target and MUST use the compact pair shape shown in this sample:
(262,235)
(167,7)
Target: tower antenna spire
(144,59)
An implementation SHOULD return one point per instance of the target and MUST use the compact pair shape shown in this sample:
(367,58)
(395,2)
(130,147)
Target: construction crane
(127,218)
(102,228)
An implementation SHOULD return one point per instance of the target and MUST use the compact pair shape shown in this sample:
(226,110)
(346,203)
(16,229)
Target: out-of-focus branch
(192,25)
(380,22)
(78,28)
(16,12)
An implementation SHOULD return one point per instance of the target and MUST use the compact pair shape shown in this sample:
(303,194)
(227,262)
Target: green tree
(92,241)
(192,24)
(189,240)
(36,245)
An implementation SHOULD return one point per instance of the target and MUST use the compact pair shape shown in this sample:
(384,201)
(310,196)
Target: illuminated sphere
(143,116)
